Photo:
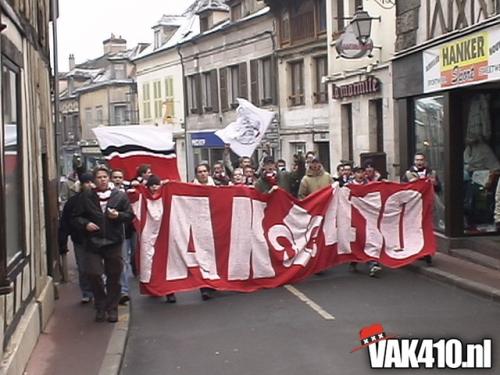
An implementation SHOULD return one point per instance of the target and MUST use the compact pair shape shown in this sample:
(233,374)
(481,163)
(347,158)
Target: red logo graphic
(371,335)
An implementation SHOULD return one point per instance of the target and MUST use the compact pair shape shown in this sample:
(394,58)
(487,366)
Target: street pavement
(274,332)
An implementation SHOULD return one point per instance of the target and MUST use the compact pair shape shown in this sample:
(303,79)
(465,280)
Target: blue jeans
(83,280)
(127,269)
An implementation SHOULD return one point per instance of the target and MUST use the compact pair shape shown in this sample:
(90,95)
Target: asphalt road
(273,332)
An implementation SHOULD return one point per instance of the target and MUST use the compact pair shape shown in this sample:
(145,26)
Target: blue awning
(206,140)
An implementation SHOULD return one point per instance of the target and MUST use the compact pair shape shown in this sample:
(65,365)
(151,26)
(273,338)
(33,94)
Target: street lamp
(362,25)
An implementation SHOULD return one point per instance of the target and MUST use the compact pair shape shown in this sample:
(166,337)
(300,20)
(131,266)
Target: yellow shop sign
(465,51)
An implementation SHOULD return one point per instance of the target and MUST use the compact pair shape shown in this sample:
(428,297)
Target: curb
(116,347)
(483,290)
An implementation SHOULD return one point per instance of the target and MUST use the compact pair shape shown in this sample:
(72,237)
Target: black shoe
(124,299)
(170,298)
(428,260)
(100,316)
(206,295)
(113,315)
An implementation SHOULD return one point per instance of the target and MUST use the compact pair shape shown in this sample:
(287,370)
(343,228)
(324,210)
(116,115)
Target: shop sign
(349,47)
(206,140)
(465,61)
(369,86)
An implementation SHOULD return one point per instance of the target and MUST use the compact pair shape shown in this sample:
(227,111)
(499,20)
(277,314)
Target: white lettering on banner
(244,251)
(149,235)
(338,220)
(369,207)
(413,233)
(301,231)
(191,215)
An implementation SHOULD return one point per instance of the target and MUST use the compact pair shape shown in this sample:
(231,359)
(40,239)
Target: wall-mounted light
(362,24)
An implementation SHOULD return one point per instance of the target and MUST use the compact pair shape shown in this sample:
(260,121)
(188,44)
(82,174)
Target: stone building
(360,79)
(446,85)
(28,181)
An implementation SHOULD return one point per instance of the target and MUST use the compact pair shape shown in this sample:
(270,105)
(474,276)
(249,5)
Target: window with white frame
(234,84)
(169,99)
(157,99)
(98,115)
(146,101)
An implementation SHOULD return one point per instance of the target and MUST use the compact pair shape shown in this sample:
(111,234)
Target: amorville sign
(369,86)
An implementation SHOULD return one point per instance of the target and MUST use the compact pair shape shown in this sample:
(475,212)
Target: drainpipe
(57,125)
(278,101)
(187,142)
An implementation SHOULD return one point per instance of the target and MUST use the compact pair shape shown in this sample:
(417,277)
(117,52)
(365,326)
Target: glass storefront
(481,155)
(429,140)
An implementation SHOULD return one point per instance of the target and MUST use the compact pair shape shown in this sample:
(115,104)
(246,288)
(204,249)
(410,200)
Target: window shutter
(254,81)
(274,80)
(199,102)
(187,96)
(214,91)
(242,76)
(224,106)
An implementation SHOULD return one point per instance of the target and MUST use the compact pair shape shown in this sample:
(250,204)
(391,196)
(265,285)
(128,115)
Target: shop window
(481,157)
(13,242)
(429,140)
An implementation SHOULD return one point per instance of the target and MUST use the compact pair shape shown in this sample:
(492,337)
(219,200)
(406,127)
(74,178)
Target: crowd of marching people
(98,215)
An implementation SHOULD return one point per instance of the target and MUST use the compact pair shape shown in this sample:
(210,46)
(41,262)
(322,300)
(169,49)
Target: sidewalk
(72,342)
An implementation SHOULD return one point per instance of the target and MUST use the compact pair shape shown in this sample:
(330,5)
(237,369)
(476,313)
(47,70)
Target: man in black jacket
(101,214)
(68,228)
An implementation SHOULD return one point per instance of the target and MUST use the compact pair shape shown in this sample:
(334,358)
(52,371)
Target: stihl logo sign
(388,352)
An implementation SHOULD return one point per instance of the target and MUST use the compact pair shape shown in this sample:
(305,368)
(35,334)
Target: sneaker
(374,270)
(428,260)
(353,267)
(85,300)
(205,295)
(113,315)
(170,298)
(124,299)
(100,316)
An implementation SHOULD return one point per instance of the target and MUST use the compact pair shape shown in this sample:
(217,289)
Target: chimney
(113,45)
(71,61)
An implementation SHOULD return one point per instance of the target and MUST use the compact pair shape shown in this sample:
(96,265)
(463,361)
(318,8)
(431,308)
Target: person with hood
(316,178)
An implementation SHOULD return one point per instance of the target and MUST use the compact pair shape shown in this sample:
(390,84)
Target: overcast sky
(83,25)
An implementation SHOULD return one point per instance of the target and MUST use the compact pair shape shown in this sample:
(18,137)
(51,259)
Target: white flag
(247,131)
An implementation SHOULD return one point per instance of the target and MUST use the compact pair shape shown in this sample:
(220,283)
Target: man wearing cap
(67,228)
(316,178)
(101,214)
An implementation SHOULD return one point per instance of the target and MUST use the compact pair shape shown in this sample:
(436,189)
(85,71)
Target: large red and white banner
(235,238)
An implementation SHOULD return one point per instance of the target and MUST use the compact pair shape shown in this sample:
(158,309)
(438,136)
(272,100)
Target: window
(376,125)
(210,92)
(195,94)
(297,83)
(285,26)
(98,115)
(429,139)
(234,84)
(89,120)
(76,125)
(236,12)
(157,40)
(267,79)
(157,99)
(347,131)
(12,154)
(299,148)
(204,23)
(262,81)
(119,71)
(119,114)
(302,21)
(321,16)
(321,89)
(146,102)
(169,100)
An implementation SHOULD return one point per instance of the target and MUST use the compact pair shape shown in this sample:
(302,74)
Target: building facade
(360,87)
(99,92)
(232,57)
(302,62)
(28,180)
(160,79)
(446,85)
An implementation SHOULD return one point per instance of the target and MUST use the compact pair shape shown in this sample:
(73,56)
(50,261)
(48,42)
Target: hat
(85,177)
(153,180)
(371,335)
(268,160)
(358,169)
(369,163)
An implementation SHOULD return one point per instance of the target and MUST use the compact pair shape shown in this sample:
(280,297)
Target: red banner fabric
(165,168)
(235,238)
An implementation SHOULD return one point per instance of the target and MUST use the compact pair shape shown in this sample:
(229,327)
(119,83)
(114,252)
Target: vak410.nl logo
(390,352)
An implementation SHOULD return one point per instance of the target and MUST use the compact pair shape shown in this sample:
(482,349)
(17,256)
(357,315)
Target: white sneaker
(374,270)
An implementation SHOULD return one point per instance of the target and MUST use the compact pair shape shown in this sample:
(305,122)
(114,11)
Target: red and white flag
(127,147)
